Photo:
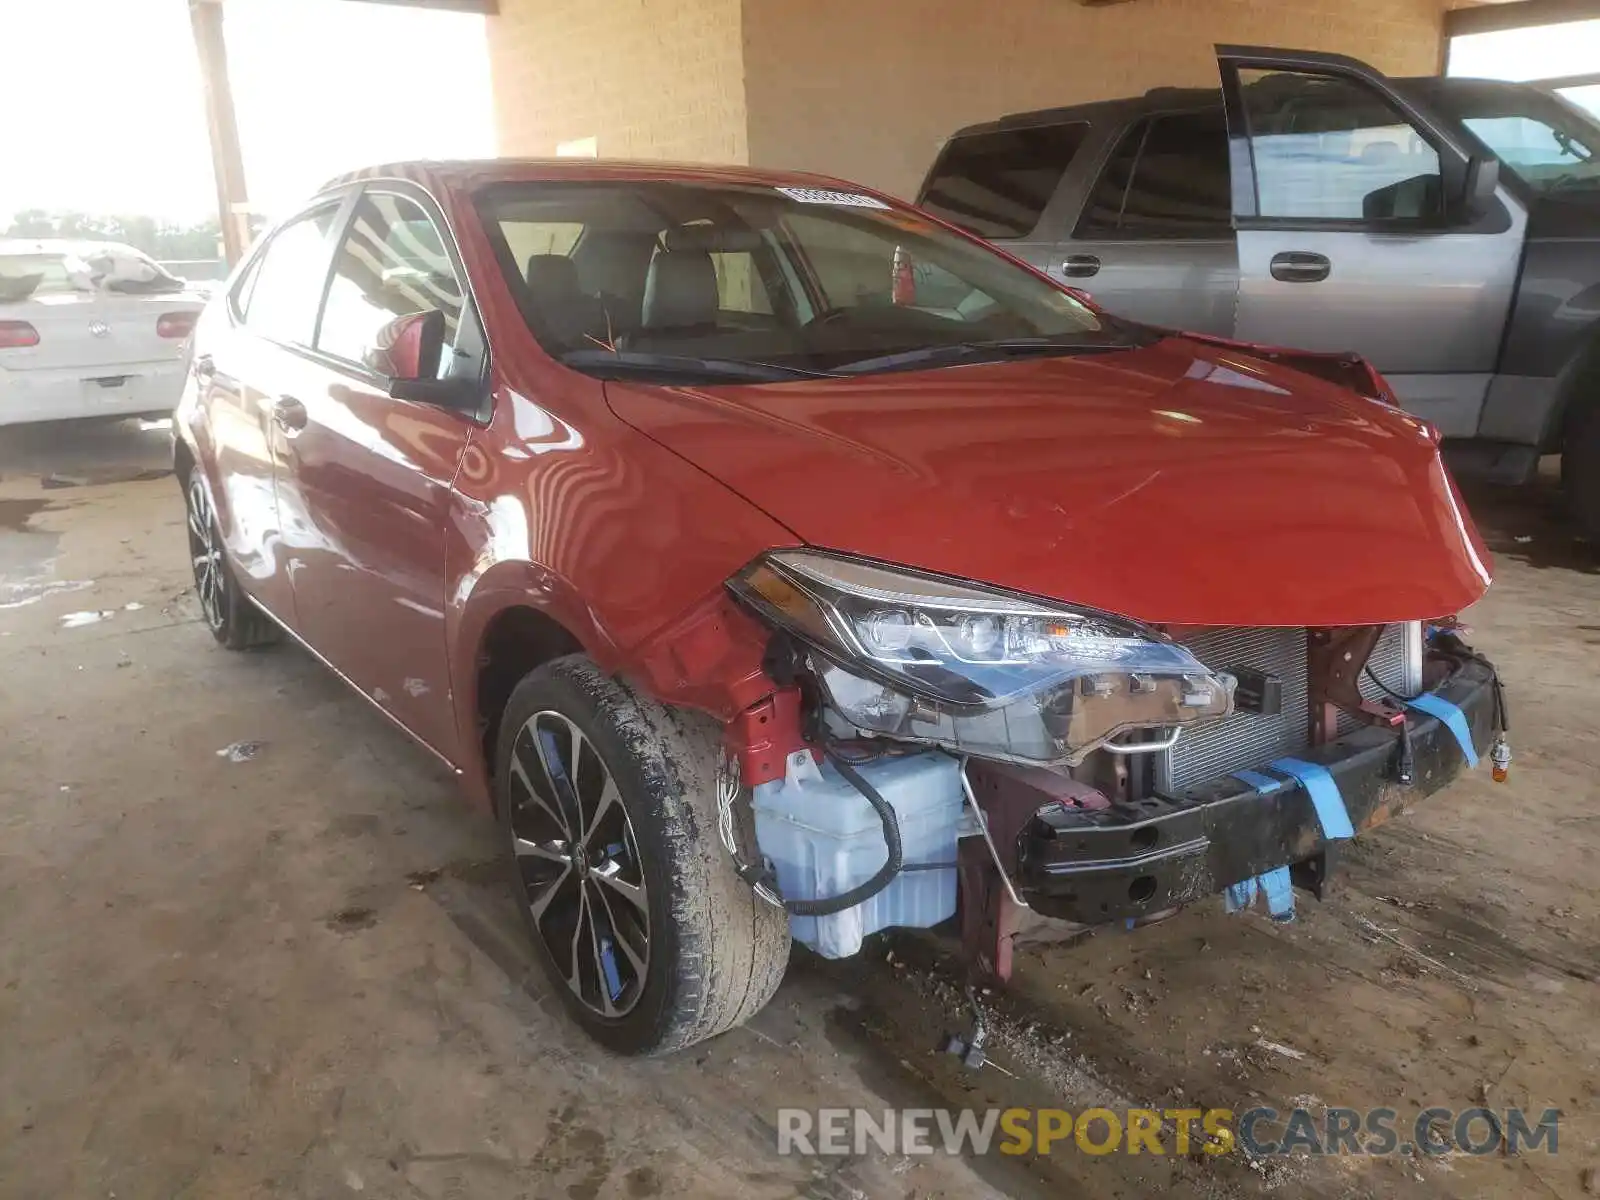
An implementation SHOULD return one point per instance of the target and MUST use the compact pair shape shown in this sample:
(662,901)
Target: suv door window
(284,289)
(1328,148)
(1167,178)
(392,262)
(997,184)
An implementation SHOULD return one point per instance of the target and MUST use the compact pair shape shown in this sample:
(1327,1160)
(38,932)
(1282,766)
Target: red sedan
(776,561)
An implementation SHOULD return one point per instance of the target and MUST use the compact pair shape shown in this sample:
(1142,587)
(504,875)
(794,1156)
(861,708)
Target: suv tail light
(175,324)
(16,334)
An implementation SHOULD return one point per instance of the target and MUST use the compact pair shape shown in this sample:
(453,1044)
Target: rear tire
(234,621)
(635,910)
(1580,474)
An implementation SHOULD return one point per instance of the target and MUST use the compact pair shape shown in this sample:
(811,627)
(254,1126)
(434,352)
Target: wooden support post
(226,158)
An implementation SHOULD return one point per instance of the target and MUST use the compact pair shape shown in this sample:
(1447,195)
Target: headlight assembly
(975,669)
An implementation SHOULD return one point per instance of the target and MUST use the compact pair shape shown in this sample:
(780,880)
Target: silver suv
(1446,229)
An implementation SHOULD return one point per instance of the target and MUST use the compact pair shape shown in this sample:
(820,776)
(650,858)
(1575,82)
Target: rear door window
(286,286)
(997,184)
(1167,178)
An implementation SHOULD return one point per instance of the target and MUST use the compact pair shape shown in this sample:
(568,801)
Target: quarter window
(1167,178)
(997,184)
(392,262)
(1331,149)
(284,290)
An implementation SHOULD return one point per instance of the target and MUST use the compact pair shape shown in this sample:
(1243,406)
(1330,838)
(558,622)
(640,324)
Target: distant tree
(163,240)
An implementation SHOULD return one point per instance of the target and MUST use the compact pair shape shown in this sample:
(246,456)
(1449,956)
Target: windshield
(663,281)
(28,270)
(1550,143)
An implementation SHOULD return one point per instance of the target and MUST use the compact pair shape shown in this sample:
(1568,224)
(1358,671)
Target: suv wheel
(1580,474)
(608,805)
(233,620)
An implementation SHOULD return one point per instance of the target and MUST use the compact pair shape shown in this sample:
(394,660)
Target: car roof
(74,246)
(1179,98)
(473,173)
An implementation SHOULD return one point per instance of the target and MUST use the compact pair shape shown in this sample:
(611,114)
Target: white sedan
(89,329)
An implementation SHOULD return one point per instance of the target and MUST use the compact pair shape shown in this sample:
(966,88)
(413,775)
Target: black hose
(1386,690)
(891,838)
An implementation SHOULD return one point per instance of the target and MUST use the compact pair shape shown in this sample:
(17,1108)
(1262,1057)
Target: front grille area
(1246,740)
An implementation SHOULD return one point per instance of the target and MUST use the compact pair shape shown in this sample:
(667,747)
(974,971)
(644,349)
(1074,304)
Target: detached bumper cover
(1093,866)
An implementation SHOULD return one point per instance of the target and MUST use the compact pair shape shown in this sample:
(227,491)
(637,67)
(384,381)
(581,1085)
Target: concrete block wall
(644,78)
(868,89)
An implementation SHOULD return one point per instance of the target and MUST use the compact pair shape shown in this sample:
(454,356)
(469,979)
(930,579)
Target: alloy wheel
(205,552)
(579,865)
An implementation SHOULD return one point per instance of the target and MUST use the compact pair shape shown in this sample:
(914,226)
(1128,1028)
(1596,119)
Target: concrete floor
(301,974)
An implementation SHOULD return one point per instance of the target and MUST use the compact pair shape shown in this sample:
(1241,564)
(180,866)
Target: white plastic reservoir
(823,838)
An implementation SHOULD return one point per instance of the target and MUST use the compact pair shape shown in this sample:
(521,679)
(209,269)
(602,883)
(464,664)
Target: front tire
(608,805)
(233,620)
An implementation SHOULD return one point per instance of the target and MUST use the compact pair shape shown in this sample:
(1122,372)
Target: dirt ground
(301,975)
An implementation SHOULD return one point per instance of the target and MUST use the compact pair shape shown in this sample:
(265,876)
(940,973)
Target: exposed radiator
(1246,740)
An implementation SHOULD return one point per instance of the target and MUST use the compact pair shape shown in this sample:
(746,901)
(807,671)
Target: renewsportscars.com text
(1259,1132)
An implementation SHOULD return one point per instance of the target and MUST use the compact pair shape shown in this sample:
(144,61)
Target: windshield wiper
(632,362)
(992,347)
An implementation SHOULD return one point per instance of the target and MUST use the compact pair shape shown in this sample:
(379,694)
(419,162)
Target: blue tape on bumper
(1274,885)
(1453,717)
(1279,892)
(1265,784)
(1323,789)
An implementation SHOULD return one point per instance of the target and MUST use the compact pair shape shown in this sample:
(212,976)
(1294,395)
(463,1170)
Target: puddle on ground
(16,513)
(102,475)
(31,591)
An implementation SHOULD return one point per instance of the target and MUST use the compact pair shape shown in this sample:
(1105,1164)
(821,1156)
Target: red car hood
(1178,484)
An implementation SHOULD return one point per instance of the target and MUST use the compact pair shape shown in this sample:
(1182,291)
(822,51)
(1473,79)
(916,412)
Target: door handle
(290,414)
(1080,266)
(205,367)
(1300,266)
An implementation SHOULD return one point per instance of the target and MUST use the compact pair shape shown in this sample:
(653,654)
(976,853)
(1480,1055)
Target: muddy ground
(301,975)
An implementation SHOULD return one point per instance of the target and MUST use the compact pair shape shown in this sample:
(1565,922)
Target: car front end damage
(928,746)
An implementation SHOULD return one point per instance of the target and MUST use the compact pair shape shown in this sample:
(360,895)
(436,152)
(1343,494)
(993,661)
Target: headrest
(680,291)
(713,239)
(552,276)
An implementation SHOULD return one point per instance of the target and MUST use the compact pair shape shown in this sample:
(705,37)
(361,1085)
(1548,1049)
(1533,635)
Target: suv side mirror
(1482,181)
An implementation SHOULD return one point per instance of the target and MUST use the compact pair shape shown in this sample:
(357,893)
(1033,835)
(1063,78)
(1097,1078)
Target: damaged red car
(778,562)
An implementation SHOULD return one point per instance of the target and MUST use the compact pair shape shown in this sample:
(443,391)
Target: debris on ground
(241,751)
(1280,1048)
(421,879)
(132,606)
(1398,902)
(355,917)
(77,620)
(1591,1180)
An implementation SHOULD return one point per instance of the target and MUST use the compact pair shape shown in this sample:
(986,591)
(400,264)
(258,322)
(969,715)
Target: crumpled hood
(1178,484)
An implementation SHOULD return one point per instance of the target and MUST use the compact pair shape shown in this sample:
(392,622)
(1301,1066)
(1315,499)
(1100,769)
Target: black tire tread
(731,946)
(1580,474)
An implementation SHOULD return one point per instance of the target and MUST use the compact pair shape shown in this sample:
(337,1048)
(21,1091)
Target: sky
(104,111)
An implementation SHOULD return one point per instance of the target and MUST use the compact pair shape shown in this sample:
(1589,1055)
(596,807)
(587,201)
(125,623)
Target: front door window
(1328,148)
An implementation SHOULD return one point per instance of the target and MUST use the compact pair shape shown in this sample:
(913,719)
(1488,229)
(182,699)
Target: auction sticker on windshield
(824,196)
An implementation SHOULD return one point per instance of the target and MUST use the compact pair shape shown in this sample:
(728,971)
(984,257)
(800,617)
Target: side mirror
(1483,180)
(409,348)
(409,352)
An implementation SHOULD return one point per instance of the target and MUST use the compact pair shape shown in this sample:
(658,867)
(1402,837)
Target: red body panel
(1182,483)
(1176,484)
